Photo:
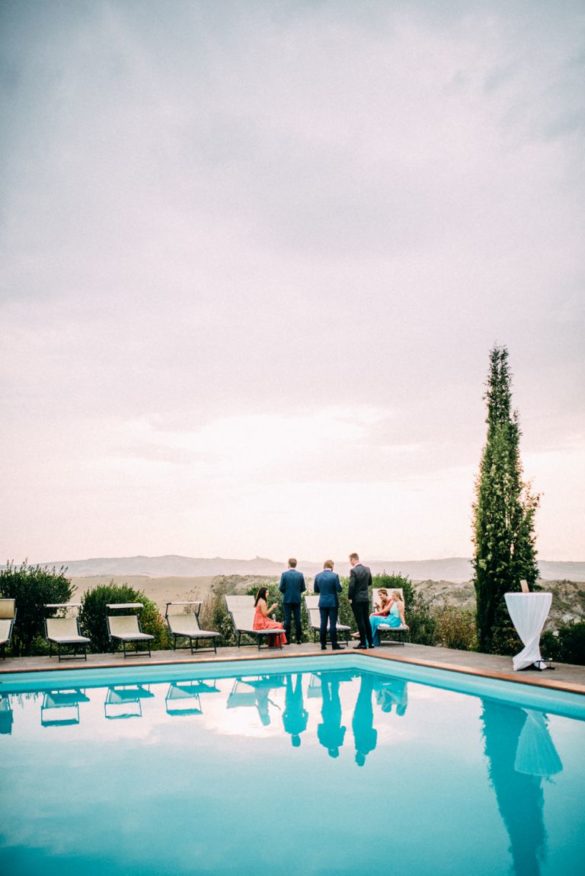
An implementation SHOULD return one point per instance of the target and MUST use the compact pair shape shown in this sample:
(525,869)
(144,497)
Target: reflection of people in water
(331,734)
(262,704)
(519,794)
(295,716)
(262,688)
(364,734)
(393,692)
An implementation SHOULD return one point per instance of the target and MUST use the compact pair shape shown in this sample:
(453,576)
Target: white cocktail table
(529,612)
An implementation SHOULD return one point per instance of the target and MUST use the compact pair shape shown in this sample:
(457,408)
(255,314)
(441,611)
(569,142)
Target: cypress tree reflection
(520,753)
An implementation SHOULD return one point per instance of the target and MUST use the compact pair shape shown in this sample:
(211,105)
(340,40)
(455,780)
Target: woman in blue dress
(390,612)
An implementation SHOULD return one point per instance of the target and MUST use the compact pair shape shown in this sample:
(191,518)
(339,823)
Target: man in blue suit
(292,584)
(327,585)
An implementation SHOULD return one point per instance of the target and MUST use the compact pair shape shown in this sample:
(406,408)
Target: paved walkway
(564,676)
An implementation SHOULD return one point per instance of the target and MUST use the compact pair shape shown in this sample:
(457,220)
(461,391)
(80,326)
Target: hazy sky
(254,256)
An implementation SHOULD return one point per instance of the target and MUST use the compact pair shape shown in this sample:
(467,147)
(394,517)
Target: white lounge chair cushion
(125,627)
(315,621)
(185,625)
(5,631)
(69,640)
(7,608)
(64,631)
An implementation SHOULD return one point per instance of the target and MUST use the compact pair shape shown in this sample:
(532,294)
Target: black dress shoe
(323,647)
(359,645)
(336,648)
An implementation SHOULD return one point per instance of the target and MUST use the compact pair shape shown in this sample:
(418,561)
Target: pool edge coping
(543,683)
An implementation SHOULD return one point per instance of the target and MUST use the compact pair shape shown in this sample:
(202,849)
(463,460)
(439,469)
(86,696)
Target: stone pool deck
(564,677)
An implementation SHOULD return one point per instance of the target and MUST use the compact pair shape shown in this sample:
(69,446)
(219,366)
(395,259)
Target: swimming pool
(347,765)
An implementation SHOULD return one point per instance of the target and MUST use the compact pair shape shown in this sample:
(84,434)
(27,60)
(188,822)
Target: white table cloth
(529,612)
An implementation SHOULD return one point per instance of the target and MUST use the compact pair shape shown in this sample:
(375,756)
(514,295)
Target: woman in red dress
(263,621)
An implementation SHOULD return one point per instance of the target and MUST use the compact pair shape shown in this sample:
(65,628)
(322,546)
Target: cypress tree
(503,515)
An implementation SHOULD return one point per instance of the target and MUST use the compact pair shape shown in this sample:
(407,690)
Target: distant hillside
(568,603)
(454,569)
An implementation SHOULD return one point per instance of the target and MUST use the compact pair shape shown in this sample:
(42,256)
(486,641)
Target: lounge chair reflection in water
(61,707)
(6,716)
(125,701)
(184,697)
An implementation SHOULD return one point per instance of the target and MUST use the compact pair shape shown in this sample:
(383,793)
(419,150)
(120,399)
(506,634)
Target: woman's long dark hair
(262,594)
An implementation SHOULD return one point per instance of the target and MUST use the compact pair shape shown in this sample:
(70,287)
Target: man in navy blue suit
(292,584)
(328,585)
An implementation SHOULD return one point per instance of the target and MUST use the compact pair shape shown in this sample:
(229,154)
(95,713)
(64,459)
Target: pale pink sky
(253,259)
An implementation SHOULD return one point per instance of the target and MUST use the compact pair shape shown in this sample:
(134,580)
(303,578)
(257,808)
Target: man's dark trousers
(328,614)
(361,612)
(293,608)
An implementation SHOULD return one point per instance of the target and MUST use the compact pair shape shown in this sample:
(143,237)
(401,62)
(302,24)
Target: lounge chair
(400,631)
(241,610)
(186,626)
(312,603)
(7,618)
(64,632)
(124,628)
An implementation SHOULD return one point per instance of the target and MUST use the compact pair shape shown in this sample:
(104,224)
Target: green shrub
(422,624)
(455,628)
(92,615)
(214,614)
(345,615)
(567,646)
(397,582)
(33,587)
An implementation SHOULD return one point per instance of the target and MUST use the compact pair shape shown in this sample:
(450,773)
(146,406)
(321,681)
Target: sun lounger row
(124,628)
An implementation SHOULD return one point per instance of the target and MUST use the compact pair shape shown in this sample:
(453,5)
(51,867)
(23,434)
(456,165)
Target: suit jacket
(360,580)
(327,585)
(292,584)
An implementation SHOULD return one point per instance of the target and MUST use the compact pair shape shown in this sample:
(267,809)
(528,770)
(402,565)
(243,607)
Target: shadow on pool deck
(564,676)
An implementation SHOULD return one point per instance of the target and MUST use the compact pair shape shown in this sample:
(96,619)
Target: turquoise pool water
(342,766)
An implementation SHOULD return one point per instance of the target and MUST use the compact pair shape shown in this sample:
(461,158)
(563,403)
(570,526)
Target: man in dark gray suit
(328,586)
(360,581)
(292,584)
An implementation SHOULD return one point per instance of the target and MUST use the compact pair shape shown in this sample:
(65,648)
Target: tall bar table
(529,612)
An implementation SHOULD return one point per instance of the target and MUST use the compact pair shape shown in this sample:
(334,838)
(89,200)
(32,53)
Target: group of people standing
(390,611)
